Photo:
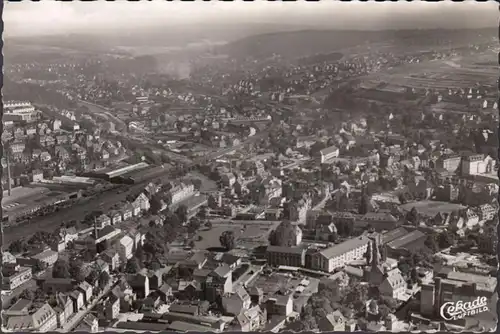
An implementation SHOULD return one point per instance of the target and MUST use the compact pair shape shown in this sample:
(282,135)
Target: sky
(49,17)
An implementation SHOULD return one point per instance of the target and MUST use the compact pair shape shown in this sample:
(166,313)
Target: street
(77,317)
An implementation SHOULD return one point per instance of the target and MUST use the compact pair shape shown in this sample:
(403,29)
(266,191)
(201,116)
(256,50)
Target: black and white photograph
(249,166)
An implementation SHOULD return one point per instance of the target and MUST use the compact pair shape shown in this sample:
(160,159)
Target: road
(77,317)
(322,204)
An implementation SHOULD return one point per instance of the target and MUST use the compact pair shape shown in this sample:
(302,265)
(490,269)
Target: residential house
(116,217)
(45,156)
(140,284)
(236,302)
(449,162)
(48,257)
(252,319)
(142,202)
(78,299)
(64,308)
(487,212)
(112,258)
(280,305)
(124,292)
(126,248)
(165,292)
(180,192)
(110,308)
(218,283)
(127,212)
(17,147)
(87,291)
(88,324)
(393,285)
(333,322)
(61,153)
(103,221)
(155,278)
(24,315)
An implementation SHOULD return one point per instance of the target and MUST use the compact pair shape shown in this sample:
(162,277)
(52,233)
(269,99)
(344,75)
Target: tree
(155,204)
(27,294)
(227,240)
(103,279)
(77,271)
(182,213)
(432,242)
(284,235)
(445,240)
(133,266)
(93,275)
(202,213)
(61,269)
(18,246)
(413,216)
(384,311)
(365,205)
(204,307)
(194,225)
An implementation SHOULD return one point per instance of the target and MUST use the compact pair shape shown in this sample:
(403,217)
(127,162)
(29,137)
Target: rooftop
(344,247)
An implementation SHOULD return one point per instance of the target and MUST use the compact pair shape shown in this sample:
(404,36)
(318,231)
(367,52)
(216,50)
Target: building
(47,257)
(477,164)
(393,285)
(328,153)
(236,302)
(22,111)
(379,221)
(64,308)
(339,255)
(280,305)
(126,248)
(453,286)
(88,324)
(14,276)
(180,192)
(142,202)
(252,319)
(286,256)
(24,315)
(449,162)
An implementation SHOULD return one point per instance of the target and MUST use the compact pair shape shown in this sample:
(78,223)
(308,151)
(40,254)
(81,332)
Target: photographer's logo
(460,310)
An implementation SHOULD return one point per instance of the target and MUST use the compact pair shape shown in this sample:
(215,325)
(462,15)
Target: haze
(52,17)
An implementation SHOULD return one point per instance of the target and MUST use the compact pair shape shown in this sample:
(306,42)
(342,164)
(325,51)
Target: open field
(460,72)
(246,234)
(432,207)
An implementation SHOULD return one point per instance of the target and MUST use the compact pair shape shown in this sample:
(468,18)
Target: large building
(477,164)
(453,286)
(328,153)
(339,255)
(19,111)
(449,162)
(286,256)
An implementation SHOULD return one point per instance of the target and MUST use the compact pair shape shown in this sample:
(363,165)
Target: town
(345,191)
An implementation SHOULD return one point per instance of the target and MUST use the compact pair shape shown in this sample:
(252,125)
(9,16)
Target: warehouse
(142,175)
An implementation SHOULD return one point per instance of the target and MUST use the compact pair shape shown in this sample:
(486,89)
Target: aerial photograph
(249,166)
